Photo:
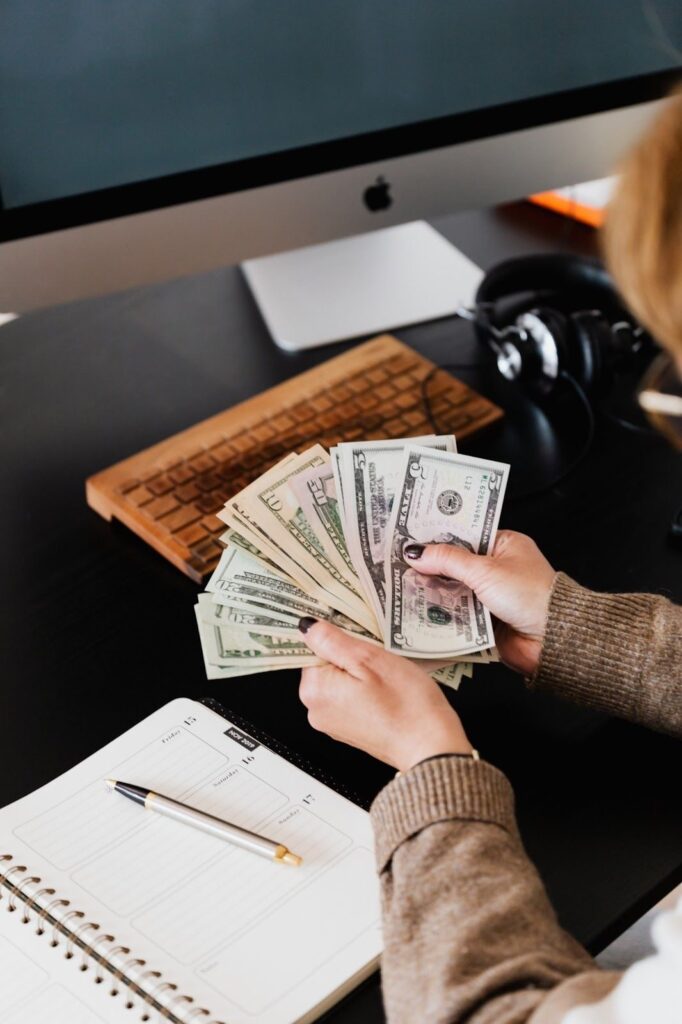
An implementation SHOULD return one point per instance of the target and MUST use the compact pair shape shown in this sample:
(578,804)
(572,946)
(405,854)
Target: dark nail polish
(413,551)
(305,623)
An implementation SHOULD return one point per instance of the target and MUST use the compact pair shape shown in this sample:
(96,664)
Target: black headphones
(552,316)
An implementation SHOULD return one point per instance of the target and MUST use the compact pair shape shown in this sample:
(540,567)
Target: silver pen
(205,822)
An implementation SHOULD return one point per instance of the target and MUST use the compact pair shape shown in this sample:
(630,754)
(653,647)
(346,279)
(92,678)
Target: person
(469,931)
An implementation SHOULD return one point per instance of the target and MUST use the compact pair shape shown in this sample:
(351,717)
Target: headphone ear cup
(590,344)
(559,329)
(546,351)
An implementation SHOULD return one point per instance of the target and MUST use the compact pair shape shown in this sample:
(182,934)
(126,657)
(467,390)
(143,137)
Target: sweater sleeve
(469,933)
(618,653)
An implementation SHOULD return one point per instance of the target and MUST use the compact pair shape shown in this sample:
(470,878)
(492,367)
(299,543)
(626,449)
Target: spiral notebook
(111,914)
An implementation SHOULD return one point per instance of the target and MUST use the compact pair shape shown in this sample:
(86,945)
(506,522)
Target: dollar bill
(239,566)
(370,471)
(452,675)
(241,580)
(315,490)
(443,498)
(243,515)
(231,536)
(257,541)
(273,505)
(260,621)
(239,667)
(335,459)
(229,646)
(239,519)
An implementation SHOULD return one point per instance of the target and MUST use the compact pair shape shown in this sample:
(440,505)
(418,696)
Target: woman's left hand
(377,701)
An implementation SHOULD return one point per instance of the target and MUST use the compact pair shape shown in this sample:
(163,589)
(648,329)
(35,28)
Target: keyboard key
(169,464)
(301,413)
(140,496)
(198,568)
(208,549)
(182,474)
(161,506)
(192,534)
(182,516)
(368,401)
(188,492)
(229,470)
(283,422)
(440,384)
(212,524)
(400,363)
(128,485)
(321,402)
(415,418)
(202,463)
(161,486)
(274,452)
(222,451)
(207,504)
(353,433)
(263,432)
(208,481)
(242,442)
(223,494)
(406,400)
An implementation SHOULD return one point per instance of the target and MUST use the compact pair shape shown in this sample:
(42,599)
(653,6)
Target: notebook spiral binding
(146,990)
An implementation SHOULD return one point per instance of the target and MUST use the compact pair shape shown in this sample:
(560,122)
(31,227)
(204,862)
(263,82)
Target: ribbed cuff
(595,646)
(444,789)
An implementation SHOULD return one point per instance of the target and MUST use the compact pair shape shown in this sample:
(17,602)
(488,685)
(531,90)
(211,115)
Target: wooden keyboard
(168,494)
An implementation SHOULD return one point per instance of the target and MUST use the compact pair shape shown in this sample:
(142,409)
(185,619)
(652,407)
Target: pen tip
(292,858)
(111,783)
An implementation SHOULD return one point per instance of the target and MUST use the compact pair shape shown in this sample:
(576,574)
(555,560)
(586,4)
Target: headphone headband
(585,278)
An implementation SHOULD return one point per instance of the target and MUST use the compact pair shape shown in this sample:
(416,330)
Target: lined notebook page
(243,936)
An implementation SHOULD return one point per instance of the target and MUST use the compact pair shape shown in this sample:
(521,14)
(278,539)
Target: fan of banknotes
(324,534)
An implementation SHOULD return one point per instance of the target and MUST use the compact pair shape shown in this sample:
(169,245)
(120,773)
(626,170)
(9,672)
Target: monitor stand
(362,285)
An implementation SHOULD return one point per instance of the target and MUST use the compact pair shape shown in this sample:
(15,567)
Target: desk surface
(96,630)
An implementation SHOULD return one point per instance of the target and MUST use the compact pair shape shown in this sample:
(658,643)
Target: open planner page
(247,938)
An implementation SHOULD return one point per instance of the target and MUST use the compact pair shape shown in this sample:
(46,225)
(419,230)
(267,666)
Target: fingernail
(305,623)
(414,551)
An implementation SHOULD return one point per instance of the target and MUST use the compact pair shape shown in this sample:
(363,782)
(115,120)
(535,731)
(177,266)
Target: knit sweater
(469,933)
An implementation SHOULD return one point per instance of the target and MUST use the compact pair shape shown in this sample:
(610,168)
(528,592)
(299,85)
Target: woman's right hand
(514,583)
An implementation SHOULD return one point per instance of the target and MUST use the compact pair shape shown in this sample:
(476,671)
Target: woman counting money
(469,931)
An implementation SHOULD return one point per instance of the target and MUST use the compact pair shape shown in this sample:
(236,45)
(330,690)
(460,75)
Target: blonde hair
(642,238)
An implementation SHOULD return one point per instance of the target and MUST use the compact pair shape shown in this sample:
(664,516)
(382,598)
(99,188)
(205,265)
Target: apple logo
(377,196)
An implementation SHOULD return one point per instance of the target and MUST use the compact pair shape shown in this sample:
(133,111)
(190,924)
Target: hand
(376,701)
(514,583)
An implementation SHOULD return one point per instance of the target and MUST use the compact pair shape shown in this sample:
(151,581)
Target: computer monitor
(144,141)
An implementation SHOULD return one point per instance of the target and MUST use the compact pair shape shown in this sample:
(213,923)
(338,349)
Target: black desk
(97,630)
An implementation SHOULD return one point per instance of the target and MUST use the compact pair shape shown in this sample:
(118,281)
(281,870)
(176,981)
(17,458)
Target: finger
(341,649)
(447,560)
(316,683)
(511,540)
(320,691)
